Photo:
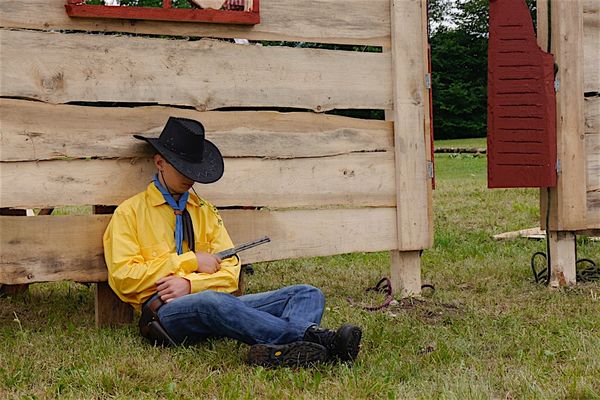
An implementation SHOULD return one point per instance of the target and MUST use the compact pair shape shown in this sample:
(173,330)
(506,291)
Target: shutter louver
(521,101)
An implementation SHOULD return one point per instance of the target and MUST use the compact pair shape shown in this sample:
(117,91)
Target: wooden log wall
(575,42)
(73,91)
(591,84)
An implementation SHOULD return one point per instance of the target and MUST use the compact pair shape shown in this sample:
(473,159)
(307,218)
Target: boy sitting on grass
(160,250)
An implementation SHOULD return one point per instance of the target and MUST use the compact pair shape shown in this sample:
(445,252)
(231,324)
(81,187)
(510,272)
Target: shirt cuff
(186,261)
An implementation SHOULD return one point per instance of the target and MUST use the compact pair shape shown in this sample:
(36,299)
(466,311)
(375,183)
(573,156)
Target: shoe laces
(325,337)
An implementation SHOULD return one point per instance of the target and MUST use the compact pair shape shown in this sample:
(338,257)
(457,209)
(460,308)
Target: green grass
(476,143)
(486,332)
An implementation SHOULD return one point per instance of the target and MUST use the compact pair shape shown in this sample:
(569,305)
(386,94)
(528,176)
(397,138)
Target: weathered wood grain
(542,24)
(110,310)
(591,45)
(75,251)
(205,74)
(567,45)
(363,22)
(358,179)
(38,131)
(413,202)
(592,147)
(592,115)
(592,144)
(562,248)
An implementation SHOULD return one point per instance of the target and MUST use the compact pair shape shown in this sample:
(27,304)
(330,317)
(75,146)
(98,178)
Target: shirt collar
(156,197)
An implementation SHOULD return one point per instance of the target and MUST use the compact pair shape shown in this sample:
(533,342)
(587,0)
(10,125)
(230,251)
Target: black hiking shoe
(295,354)
(343,343)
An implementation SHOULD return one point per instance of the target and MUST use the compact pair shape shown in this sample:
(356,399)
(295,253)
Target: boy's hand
(208,263)
(171,287)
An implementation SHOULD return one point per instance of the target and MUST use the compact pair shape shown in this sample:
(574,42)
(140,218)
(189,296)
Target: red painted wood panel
(521,101)
(77,8)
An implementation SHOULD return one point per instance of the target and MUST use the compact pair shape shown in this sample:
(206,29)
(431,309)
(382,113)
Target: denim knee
(204,302)
(211,299)
(311,291)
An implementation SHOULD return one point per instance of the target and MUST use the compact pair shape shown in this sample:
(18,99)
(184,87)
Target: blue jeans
(276,317)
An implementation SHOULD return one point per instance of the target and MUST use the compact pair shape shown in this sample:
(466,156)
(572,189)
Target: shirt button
(153,254)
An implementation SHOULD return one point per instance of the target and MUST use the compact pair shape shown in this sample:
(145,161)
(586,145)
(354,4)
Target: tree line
(458,35)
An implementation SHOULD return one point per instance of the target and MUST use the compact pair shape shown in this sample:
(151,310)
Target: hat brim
(209,170)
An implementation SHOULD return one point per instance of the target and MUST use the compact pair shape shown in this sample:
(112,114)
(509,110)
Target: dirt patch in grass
(428,311)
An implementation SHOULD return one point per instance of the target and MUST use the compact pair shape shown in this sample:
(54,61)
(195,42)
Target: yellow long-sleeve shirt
(139,247)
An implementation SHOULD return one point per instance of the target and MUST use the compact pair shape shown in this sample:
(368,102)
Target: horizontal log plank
(33,130)
(358,179)
(205,74)
(593,180)
(75,249)
(592,146)
(591,107)
(363,22)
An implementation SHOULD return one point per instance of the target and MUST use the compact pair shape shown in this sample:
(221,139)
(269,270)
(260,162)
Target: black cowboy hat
(183,145)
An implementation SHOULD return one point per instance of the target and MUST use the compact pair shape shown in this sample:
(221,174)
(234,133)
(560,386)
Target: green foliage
(459,65)
(459,68)
(458,38)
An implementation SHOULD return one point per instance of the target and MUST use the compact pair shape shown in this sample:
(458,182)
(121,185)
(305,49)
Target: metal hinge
(558,166)
(430,169)
(556,84)
(428,81)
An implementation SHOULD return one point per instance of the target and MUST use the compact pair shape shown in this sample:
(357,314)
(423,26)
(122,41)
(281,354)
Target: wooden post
(411,135)
(13,290)
(562,257)
(406,272)
(110,310)
(542,24)
(569,211)
(568,208)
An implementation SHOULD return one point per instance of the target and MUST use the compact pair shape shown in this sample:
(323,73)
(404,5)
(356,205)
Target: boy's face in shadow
(170,177)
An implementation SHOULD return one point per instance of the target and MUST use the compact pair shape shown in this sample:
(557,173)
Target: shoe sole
(295,354)
(348,344)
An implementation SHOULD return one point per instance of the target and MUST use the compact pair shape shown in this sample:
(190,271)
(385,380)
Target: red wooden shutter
(521,101)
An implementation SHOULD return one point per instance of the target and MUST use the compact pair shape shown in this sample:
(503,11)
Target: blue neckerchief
(178,209)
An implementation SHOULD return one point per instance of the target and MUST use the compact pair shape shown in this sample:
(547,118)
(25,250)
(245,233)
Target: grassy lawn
(486,332)
(476,143)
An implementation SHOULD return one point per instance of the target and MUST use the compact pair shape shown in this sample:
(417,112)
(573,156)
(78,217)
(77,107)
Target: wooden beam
(357,179)
(408,66)
(412,144)
(591,84)
(406,273)
(591,44)
(568,199)
(199,74)
(109,309)
(562,259)
(542,24)
(76,251)
(542,33)
(427,122)
(37,131)
(361,22)
(13,290)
